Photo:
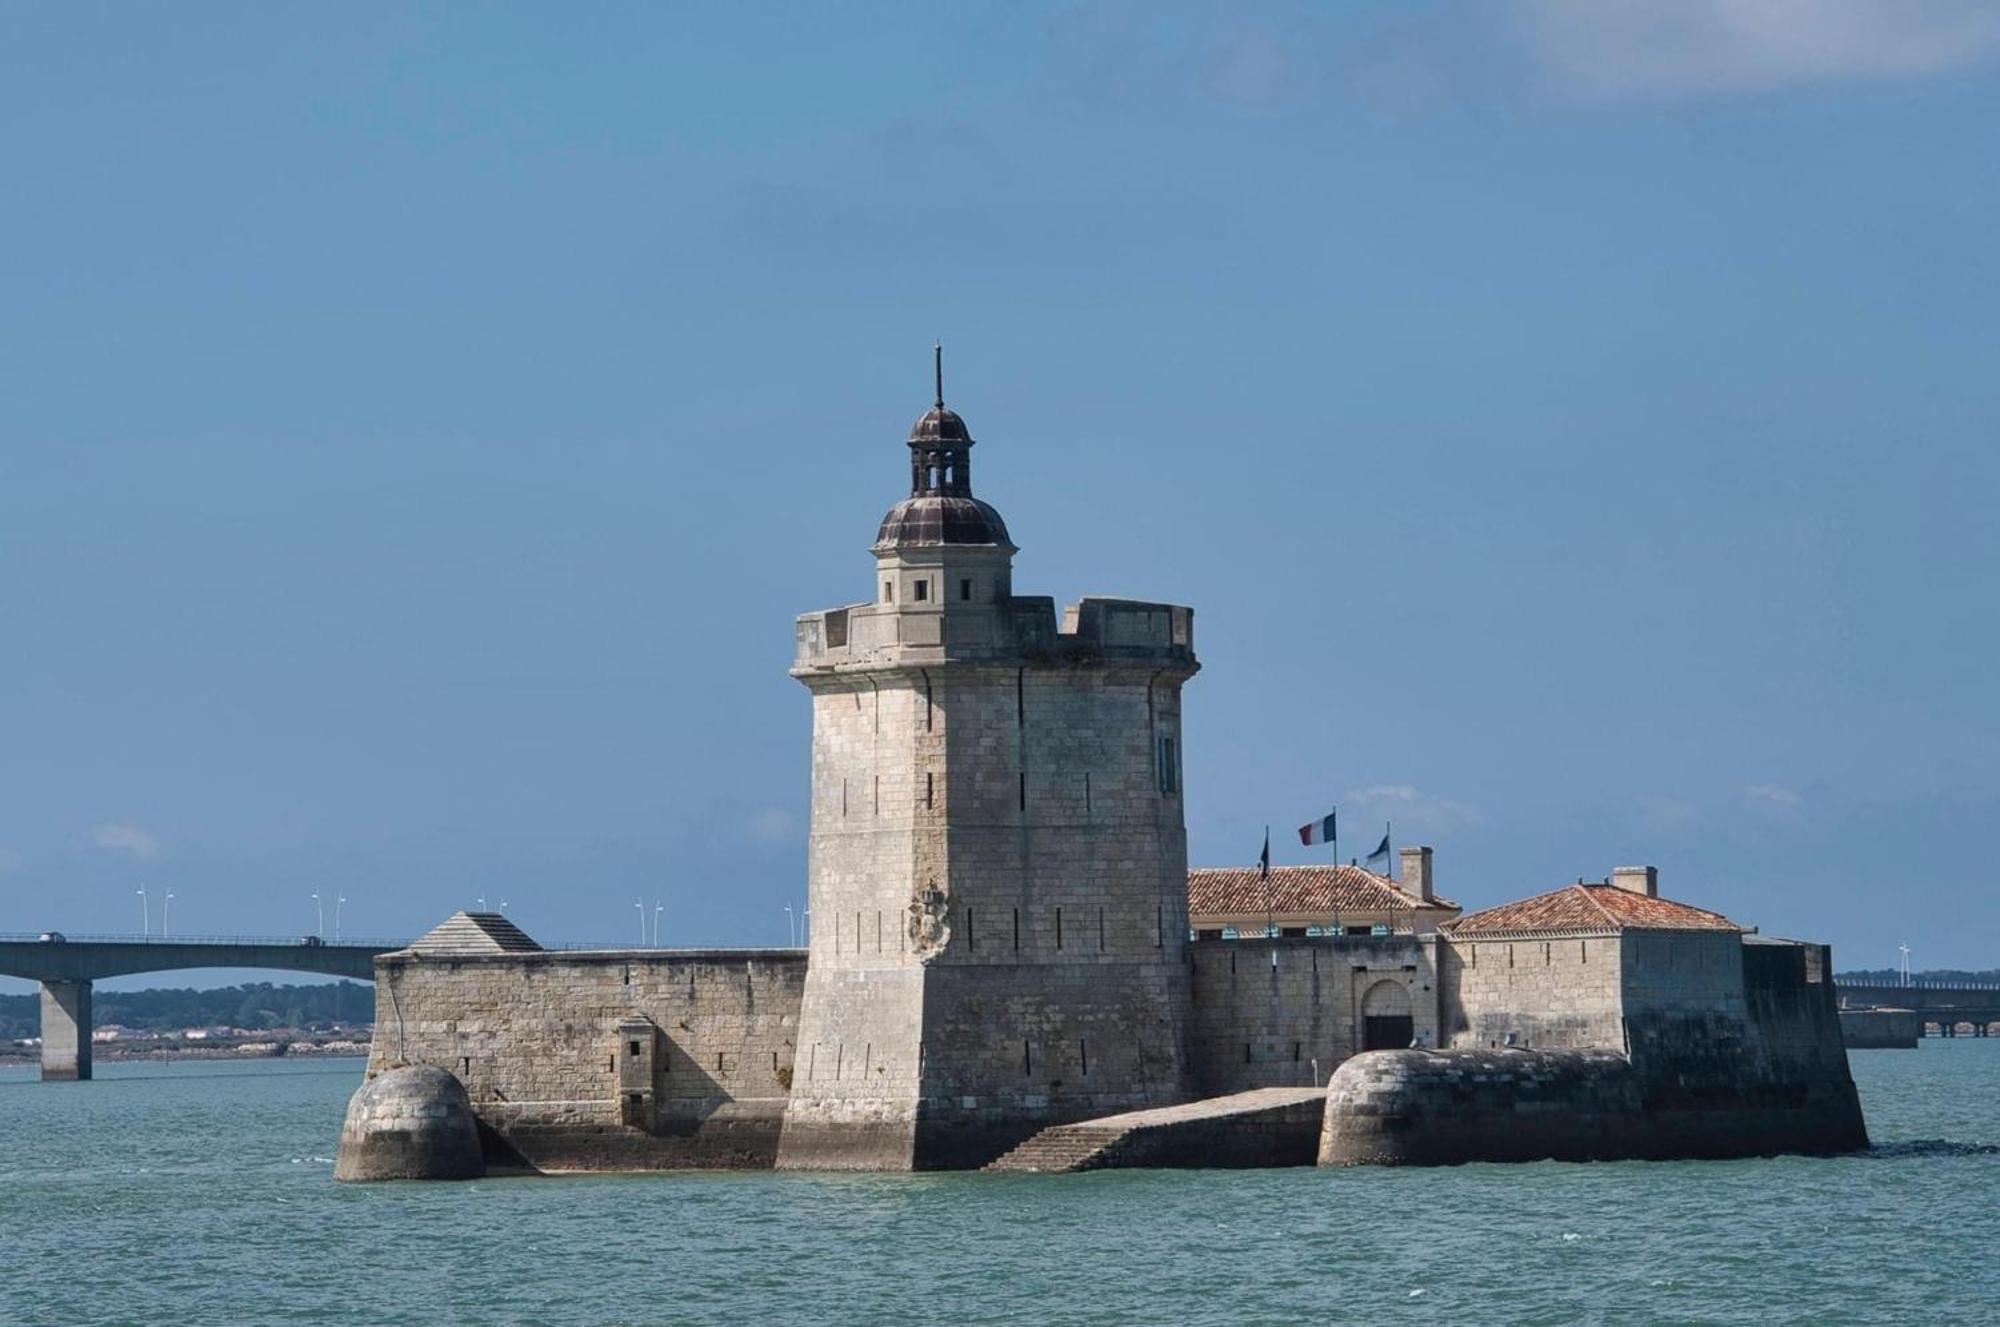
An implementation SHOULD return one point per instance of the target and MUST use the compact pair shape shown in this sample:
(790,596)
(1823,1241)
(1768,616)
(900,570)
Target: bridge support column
(65,1031)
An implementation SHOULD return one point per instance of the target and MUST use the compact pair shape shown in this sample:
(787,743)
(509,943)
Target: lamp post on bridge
(165,904)
(658,908)
(319,913)
(1906,964)
(338,899)
(145,914)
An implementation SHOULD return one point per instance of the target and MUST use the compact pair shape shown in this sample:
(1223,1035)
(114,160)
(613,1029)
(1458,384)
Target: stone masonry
(998,870)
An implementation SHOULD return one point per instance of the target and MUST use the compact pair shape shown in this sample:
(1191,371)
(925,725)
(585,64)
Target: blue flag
(1381,853)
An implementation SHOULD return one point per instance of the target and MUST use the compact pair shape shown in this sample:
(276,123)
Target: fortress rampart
(584,1061)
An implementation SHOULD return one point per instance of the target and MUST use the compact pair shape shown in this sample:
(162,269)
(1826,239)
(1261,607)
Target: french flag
(1319,831)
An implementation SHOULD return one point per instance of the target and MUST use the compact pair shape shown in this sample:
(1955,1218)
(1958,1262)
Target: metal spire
(937,363)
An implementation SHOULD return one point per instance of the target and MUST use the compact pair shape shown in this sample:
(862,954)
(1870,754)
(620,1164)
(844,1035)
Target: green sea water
(203,1193)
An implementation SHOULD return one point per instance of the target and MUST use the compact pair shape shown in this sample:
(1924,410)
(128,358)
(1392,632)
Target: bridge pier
(65,1031)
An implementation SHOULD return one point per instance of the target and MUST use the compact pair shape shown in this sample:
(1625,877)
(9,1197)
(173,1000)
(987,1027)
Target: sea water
(202,1192)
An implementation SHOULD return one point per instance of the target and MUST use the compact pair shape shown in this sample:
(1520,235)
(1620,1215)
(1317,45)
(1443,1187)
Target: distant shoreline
(116,1052)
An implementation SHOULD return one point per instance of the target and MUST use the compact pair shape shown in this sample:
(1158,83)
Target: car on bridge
(54,937)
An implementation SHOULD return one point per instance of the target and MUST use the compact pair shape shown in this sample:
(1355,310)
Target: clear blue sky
(1573,425)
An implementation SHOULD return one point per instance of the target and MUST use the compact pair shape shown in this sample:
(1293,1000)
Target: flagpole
(1267,882)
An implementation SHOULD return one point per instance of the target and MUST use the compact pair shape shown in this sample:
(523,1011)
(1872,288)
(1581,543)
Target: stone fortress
(1002,968)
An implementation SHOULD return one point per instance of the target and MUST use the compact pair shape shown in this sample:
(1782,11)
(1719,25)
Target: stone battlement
(1018,629)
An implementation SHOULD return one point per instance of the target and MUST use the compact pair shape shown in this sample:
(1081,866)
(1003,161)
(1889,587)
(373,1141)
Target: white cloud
(774,825)
(1770,794)
(1411,808)
(1678,48)
(128,839)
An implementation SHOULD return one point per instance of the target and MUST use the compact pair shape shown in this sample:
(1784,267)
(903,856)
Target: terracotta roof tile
(1223,890)
(1596,907)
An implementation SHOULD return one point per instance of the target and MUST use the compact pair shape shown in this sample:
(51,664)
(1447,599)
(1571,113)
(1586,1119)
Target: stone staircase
(1065,1147)
(1264,1127)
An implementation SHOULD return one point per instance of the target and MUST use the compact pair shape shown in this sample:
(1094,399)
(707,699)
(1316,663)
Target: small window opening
(888,592)
(922,591)
(631,1048)
(1169,781)
(965,589)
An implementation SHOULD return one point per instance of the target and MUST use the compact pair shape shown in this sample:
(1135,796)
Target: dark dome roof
(940,424)
(933,520)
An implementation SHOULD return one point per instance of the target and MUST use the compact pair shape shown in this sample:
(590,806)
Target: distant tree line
(255,1005)
(1891,977)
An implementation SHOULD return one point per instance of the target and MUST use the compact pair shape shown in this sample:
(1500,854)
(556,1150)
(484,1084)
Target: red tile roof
(1595,907)
(1320,890)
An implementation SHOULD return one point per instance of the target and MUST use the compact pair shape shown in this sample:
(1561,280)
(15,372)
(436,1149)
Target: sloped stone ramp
(1271,1126)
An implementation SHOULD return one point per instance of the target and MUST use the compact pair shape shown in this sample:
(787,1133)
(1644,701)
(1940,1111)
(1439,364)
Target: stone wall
(553,1049)
(1553,992)
(1710,1045)
(1285,1012)
(998,879)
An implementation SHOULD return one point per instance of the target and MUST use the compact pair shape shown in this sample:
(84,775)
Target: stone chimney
(1638,879)
(1417,873)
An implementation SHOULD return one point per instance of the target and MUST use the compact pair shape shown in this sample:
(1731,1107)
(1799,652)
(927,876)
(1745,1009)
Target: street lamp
(165,903)
(145,914)
(319,911)
(641,906)
(658,908)
(338,899)
(1906,963)
(791,926)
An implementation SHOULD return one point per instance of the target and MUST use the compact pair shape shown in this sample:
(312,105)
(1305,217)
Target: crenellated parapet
(1015,630)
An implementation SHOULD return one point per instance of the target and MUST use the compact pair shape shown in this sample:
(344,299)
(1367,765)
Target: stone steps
(1267,1126)
(1065,1147)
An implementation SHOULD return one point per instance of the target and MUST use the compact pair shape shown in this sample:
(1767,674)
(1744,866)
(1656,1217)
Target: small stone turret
(414,1123)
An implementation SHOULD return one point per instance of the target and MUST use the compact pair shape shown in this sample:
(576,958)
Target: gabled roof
(1323,890)
(1593,908)
(476,933)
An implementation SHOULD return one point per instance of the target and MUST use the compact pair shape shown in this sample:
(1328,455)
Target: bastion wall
(605,1060)
(1683,1045)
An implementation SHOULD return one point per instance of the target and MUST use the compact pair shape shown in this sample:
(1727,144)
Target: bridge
(1946,1004)
(67,965)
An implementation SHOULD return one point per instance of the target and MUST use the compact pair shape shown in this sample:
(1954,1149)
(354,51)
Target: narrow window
(1020,697)
(965,589)
(1058,928)
(1168,770)
(1024,790)
(1083,1055)
(631,1048)
(970,942)
(1100,930)
(1027,1060)
(922,591)
(888,592)
(878,794)
(1086,792)
(843,797)
(1017,930)
(1246,1052)
(930,789)
(1159,928)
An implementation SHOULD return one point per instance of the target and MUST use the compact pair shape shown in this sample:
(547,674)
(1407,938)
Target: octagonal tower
(998,871)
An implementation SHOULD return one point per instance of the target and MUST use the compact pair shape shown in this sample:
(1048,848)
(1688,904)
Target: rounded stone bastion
(1444,1107)
(414,1123)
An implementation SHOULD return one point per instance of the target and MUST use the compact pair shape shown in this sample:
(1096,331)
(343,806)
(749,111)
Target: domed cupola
(940,509)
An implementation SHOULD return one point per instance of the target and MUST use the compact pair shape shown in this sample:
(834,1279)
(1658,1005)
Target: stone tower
(998,874)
